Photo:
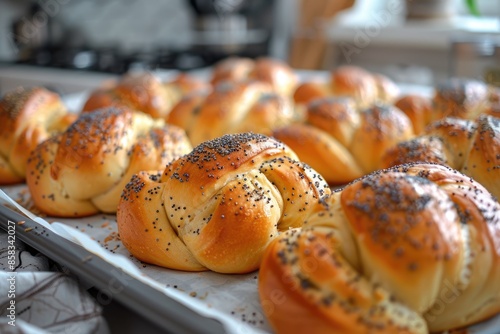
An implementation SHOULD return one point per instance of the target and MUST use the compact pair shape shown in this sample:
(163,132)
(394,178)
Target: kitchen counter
(418,51)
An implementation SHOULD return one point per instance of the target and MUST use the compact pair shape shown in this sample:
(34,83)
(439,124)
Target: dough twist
(407,250)
(219,206)
(84,170)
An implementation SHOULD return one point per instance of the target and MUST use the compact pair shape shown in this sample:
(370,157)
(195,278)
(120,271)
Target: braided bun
(277,74)
(472,147)
(463,98)
(232,107)
(407,250)
(144,92)
(219,206)
(27,117)
(419,109)
(364,87)
(342,143)
(84,170)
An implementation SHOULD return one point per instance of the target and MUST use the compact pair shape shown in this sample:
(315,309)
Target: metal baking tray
(165,312)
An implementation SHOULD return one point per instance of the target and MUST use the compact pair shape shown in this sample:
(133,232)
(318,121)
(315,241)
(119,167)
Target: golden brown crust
(224,109)
(92,161)
(477,295)
(185,111)
(462,98)
(364,87)
(321,151)
(27,117)
(48,195)
(309,91)
(188,84)
(268,112)
(307,286)
(409,249)
(418,109)
(342,143)
(472,147)
(226,200)
(103,98)
(232,107)
(388,215)
(457,134)
(336,116)
(7,175)
(167,249)
(232,69)
(387,90)
(147,93)
(277,74)
(483,160)
(419,149)
(354,82)
(144,92)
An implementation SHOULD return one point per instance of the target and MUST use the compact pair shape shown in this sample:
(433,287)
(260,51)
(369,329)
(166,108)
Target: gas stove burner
(111,60)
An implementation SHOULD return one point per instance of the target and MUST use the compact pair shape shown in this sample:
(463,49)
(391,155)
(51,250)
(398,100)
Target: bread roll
(407,250)
(387,90)
(419,109)
(232,107)
(186,110)
(273,72)
(472,147)
(309,91)
(218,207)
(354,82)
(27,117)
(342,143)
(364,87)
(232,69)
(143,91)
(84,170)
(462,98)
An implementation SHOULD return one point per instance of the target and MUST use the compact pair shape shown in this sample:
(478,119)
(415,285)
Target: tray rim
(141,298)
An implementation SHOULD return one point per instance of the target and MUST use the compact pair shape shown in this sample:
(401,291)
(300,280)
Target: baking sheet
(230,299)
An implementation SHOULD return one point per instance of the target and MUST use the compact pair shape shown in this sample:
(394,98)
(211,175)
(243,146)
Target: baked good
(271,71)
(28,116)
(354,82)
(232,107)
(342,143)
(366,88)
(145,92)
(84,170)
(463,98)
(219,206)
(419,109)
(184,112)
(387,90)
(407,250)
(233,69)
(472,147)
(309,91)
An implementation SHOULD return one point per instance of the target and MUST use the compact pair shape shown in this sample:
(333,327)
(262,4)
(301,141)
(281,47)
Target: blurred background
(70,45)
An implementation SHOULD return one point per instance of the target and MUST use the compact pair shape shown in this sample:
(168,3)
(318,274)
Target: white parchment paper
(231,299)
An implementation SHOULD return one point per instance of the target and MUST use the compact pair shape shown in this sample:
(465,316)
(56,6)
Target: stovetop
(112,60)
